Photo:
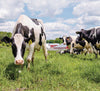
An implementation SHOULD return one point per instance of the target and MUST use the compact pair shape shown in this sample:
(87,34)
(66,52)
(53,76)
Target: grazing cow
(93,37)
(27,30)
(76,51)
(73,43)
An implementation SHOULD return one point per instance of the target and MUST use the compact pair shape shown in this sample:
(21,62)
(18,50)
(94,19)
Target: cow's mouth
(19,62)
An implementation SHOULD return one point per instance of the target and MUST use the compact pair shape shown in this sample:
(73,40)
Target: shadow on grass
(12,71)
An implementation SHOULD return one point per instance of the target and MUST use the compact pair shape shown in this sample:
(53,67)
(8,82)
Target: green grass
(60,73)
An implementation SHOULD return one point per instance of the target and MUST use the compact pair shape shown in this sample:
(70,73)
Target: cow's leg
(33,57)
(95,51)
(72,48)
(85,51)
(45,51)
(31,52)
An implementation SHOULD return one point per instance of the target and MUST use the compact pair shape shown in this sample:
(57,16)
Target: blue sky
(60,17)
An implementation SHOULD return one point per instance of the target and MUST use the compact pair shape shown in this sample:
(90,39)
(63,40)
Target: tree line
(3,34)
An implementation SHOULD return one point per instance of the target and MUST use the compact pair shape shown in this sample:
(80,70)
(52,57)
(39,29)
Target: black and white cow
(93,37)
(75,51)
(74,44)
(27,30)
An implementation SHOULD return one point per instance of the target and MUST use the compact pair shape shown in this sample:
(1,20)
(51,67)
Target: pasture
(60,73)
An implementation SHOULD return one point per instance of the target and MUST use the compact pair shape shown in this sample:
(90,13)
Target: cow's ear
(26,39)
(60,38)
(6,39)
(11,39)
(78,32)
(67,38)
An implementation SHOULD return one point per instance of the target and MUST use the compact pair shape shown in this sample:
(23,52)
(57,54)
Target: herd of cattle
(87,41)
(32,31)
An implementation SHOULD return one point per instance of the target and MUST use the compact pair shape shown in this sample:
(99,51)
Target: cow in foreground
(93,37)
(27,30)
(76,43)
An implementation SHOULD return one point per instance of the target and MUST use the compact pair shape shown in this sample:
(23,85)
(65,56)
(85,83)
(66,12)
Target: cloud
(55,29)
(90,8)
(10,9)
(55,26)
(47,7)
(7,26)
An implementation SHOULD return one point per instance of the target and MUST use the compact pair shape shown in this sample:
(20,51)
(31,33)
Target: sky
(60,17)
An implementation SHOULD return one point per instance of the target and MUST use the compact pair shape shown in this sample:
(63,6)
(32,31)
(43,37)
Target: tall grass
(59,73)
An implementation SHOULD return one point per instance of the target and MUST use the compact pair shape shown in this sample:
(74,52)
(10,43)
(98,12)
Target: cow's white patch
(94,35)
(18,39)
(98,44)
(64,39)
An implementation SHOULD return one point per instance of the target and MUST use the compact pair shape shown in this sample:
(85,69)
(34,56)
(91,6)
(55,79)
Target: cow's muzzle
(64,43)
(19,62)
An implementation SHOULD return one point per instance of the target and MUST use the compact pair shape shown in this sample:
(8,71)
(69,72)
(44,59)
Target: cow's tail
(41,22)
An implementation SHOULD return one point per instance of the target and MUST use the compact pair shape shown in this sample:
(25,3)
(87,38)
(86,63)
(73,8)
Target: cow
(76,51)
(93,37)
(30,31)
(73,43)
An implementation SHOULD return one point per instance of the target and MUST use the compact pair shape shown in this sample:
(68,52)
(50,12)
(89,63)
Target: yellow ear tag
(30,42)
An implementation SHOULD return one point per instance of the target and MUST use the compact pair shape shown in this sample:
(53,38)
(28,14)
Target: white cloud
(55,26)
(10,9)
(7,26)
(90,8)
(56,29)
(48,7)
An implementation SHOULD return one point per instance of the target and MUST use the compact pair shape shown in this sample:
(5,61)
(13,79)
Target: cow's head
(81,33)
(68,40)
(18,48)
(64,39)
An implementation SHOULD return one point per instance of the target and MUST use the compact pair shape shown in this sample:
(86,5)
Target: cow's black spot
(40,37)
(82,43)
(43,33)
(32,37)
(73,45)
(35,21)
(23,49)
(68,40)
(14,49)
(6,39)
(24,30)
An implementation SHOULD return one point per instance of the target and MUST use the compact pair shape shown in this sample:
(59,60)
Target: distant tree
(3,34)
(57,40)
(9,34)
(50,41)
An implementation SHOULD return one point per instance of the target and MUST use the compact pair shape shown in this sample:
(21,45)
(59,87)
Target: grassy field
(61,73)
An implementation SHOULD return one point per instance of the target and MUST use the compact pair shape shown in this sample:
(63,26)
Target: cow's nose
(64,43)
(19,62)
